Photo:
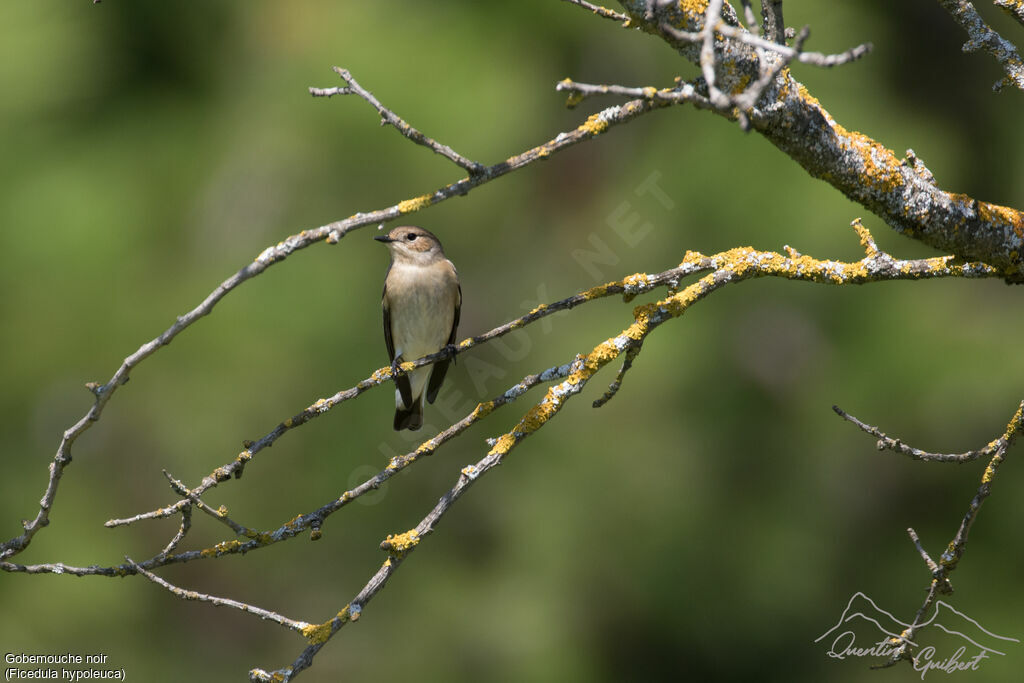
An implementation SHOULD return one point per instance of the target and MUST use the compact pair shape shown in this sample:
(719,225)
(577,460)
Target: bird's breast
(422,303)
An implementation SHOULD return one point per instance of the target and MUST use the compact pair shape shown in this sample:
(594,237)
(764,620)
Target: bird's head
(413,244)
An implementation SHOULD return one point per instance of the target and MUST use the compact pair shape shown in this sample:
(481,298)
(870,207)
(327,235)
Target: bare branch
(887,443)
(390,117)
(600,11)
(221,515)
(954,552)
(735,101)
(795,53)
(299,626)
(682,93)
(186,524)
(616,384)
(981,36)
(929,562)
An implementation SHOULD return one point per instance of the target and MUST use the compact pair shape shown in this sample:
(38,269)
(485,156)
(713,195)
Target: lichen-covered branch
(903,644)
(745,77)
(900,191)
(331,232)
(981,36)
(311,520)
(772,56)
(730,267)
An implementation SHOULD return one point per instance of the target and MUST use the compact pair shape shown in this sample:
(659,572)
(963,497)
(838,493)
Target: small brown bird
(421,303)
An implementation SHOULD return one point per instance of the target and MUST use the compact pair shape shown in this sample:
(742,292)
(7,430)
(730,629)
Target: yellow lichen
(596,292)
(415,204)
(318,634)
(741,84)
(807,97)
(573,100)
(399,544)
(993,213)
(698,7)
(636,280)
(595,125)
(483,409)
(503,445)
(220,549)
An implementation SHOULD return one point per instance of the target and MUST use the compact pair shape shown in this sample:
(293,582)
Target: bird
(421,302)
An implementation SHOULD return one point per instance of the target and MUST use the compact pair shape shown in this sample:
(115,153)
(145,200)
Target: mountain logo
(948,640)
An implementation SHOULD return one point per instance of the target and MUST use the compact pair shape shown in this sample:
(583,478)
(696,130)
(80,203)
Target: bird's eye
(410,237)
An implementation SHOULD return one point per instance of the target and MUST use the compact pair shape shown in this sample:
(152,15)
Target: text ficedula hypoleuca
(421,303)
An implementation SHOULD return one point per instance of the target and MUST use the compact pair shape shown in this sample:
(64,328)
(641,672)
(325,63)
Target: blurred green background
(708,523)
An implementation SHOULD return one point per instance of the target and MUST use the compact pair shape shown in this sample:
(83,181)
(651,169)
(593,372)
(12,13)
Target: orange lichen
(993,213)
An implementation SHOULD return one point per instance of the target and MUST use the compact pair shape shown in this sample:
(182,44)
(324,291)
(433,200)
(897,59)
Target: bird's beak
(383,238)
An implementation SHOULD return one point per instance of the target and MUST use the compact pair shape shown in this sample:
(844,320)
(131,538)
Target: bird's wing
(401,382)
(441,366)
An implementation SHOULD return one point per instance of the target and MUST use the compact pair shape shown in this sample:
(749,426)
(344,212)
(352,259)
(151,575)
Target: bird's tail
(411,417)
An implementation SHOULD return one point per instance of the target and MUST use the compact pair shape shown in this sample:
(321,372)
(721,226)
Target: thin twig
(737,103)
(897,445)
(796,53)
(220,515)
(299,626)
(683,92)
(186,524)
(601,11)
(981,36)
(616,384)
(390,117)
(954,552)
(929,562)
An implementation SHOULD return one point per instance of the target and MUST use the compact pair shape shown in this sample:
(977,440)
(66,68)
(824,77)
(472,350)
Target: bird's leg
(450,350)
(394,365)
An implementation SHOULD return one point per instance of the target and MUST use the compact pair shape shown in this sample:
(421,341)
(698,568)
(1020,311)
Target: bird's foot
(450,350)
